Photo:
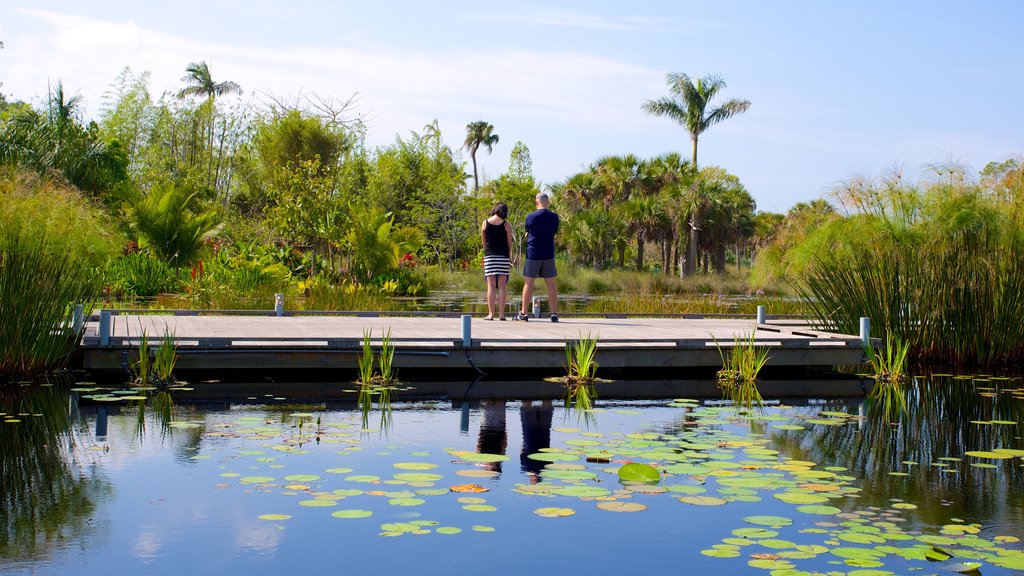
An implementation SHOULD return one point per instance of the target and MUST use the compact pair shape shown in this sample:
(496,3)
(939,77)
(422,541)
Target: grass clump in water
(740,367)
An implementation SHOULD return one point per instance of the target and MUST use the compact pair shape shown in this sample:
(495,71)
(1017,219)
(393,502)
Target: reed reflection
(48,493)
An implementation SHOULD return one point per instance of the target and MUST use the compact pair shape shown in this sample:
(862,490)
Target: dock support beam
(279,304)
(762,315)
(865,330)
(104,328)
(467,331)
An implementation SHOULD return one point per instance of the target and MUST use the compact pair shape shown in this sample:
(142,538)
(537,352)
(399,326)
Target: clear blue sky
(837,88)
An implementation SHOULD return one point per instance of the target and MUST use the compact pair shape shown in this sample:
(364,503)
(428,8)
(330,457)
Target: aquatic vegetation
(155,365)
(889,367)
(386,358)
(365,360)
(581,374)
(740,367)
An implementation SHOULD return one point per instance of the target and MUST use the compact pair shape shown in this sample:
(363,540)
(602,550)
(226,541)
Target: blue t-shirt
(541,226)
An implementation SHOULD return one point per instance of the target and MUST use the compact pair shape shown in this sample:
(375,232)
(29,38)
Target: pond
(152,482)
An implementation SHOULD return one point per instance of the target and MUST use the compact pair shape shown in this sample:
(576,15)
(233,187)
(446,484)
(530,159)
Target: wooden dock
(261,341)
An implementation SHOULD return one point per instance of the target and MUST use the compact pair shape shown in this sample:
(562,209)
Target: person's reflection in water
(536,435)
(493,438)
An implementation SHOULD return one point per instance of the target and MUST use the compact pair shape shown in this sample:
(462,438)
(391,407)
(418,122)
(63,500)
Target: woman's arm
(508,235)
(483,234)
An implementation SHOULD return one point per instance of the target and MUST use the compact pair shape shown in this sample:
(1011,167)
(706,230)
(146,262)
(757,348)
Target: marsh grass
(889,369)
(740,367)
(942,270)
(39,289)
(371,384)
(142,368)
(581,374)
(165,356)
(365,360)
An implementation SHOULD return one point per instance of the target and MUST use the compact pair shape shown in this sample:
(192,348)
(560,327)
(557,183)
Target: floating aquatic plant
(889,366)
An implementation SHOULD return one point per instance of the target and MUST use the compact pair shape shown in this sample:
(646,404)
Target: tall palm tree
(688,105)
(200,83)
(479,133)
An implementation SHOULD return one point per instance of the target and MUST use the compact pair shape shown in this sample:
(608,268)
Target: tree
(170,221)
(200,84)
(479,134)
(689,102)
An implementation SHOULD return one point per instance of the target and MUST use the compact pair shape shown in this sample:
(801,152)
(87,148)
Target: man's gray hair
(542,197)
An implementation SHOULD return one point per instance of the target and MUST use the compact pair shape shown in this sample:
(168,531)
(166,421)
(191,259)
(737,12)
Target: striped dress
(496,250)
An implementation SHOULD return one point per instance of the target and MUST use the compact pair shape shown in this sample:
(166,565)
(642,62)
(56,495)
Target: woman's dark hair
(501,209)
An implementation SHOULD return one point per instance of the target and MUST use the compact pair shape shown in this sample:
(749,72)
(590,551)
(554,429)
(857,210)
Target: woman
(496,234)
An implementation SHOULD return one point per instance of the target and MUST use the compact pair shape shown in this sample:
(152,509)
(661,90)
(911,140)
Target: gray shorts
(540,268)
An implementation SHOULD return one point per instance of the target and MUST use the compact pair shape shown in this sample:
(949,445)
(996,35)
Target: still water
(158,484)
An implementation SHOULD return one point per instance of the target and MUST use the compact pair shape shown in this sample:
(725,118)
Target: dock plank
(315,341)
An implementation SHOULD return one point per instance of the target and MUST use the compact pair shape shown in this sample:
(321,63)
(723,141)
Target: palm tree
(478,134)
(200,83)
(689,102)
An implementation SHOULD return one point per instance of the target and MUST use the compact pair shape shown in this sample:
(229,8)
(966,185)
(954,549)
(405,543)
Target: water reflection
(48,494)
(919,456)
(492,438)
(536,421)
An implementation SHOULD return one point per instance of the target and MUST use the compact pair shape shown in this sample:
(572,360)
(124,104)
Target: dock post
(279,304)
(536,307)
(865,330)
(104,328)
(467,331)
(762,316)
(78,319)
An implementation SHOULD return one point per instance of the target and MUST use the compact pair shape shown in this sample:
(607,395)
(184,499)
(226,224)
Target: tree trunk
(640,252)
(476,180)
(694,155)
(691,259)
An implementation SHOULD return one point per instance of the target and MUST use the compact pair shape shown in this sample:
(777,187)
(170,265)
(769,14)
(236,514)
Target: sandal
(488,318)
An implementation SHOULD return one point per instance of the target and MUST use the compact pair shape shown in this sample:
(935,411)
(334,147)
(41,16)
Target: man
(541,226)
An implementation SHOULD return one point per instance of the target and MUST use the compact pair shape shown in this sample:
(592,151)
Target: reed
(386,359)
(946,278)
(142,368)
(39,288)
(165,356)
(581,374)
(365,361)
(889,367)
(740,368)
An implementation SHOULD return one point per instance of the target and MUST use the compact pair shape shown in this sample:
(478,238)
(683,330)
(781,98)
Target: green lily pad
(554,512)
(274,517)
(352,513)
(769,521)
(478,457)
(639,473)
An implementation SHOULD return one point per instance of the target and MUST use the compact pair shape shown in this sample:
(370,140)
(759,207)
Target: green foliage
(141,275)
(740,367)
(941,268)
(56,139)
(889,367)
(171,221)
(365,360)
(376,245)
(51,242)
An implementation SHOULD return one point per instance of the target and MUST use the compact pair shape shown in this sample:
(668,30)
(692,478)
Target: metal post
(762,316)
(78,319)
(464,418)
(536,307)
(865,330)
(467,331)
(279,304)
(104,328)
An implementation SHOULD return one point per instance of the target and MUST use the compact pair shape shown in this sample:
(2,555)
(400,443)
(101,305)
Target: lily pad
(635,472)
(554,512)
(352,513)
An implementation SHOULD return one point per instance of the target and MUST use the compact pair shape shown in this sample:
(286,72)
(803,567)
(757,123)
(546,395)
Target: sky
(837,89)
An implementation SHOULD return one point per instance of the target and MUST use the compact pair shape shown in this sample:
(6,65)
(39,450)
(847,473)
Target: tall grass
(948,279)
(38,289)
